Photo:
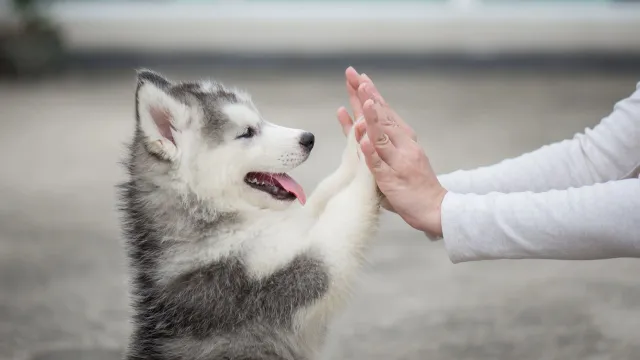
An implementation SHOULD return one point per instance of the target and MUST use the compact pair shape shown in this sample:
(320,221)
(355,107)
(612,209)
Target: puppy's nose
(307,140)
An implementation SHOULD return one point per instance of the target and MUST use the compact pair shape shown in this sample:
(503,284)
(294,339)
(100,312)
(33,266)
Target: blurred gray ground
(62,276)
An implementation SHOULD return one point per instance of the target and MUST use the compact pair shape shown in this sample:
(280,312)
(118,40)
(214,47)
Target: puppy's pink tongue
(291,186)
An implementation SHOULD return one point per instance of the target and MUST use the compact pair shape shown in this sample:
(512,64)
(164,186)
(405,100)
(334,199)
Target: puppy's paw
(363,172)
(366,181)
(352,134)
(351,156)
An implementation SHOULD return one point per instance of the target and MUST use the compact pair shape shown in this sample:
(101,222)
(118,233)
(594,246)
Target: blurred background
(480,80)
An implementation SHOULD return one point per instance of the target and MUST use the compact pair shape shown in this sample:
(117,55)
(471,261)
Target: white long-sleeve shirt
(578,199)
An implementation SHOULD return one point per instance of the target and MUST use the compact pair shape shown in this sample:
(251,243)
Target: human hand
(353,82)
(400,166)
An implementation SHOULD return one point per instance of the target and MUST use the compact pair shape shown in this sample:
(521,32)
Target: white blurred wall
(308,27)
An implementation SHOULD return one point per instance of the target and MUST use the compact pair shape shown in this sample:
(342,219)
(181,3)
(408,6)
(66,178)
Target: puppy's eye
(248,133)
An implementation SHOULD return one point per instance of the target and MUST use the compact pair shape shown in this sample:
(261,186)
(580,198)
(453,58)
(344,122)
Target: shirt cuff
(456,238)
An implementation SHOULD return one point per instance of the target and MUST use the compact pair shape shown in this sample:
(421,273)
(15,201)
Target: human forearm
(594,222)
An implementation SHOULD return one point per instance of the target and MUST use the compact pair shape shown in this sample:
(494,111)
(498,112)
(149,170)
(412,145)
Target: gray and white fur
(222,268)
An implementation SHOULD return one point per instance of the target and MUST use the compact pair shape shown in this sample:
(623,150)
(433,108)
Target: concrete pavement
(62,277)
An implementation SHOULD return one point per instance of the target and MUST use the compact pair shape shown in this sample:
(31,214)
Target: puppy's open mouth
(279,186)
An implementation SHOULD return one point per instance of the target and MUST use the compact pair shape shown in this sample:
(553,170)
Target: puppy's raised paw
(363,169)
(351,153)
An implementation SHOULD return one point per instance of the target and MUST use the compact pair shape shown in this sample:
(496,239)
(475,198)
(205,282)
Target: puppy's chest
(224,295)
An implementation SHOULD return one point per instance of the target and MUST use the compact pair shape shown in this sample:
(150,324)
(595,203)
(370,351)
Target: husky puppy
(225,263)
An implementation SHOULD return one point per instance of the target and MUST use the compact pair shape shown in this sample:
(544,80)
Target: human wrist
(431,222)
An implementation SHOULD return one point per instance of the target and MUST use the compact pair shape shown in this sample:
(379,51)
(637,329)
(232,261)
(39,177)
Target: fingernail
(368,103)
(366,77)
(362,88)
(369,90)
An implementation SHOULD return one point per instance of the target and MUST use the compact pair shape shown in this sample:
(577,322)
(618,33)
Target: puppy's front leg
(347,224)
(338,180)
(340,235)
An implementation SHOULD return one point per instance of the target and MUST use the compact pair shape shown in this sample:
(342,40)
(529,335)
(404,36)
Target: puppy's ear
(160,116)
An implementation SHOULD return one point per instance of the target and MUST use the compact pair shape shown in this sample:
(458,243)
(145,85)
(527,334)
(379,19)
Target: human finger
(385,129)
(353,78)
(352,83)
(370,91)
(375,163)
(379,134)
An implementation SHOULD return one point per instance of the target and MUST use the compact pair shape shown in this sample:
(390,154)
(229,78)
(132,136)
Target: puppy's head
(217,145)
